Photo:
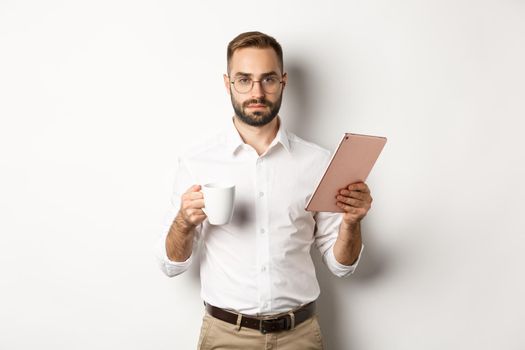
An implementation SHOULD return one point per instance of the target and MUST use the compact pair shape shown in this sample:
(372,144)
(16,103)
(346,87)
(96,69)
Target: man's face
(256,107)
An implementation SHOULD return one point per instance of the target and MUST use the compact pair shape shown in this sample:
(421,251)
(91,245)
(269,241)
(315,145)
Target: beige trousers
(219,335)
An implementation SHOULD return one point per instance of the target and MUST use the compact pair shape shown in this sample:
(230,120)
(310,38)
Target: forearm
(348,244)
(179,242)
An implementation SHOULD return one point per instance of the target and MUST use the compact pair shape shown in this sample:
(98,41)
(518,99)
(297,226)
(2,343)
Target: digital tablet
(351,162)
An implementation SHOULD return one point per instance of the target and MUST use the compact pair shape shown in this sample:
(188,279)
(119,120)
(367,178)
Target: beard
(257,118)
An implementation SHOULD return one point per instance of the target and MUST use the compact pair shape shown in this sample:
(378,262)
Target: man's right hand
(190,213)
(179,242)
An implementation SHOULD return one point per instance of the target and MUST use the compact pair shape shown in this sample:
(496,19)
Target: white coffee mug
(218,202)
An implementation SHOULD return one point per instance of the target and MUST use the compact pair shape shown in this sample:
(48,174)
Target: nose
(257,90)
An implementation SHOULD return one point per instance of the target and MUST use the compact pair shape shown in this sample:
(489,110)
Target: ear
(285,79)
(227,84)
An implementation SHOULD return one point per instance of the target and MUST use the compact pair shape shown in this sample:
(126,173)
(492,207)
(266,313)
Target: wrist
(349,232)
(351,227)
(182,225)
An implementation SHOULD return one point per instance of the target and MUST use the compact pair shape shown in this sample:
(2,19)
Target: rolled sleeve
(326,232)
(169,267)
(336,267)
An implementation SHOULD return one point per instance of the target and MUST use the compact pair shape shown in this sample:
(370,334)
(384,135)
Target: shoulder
(310,149)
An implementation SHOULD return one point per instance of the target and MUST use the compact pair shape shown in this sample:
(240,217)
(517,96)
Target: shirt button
(263,269)
(261,194)
(263,230)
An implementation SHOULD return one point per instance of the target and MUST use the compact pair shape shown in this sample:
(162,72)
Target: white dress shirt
(260,262)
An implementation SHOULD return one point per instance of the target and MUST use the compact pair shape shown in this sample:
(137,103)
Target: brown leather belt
(265,324)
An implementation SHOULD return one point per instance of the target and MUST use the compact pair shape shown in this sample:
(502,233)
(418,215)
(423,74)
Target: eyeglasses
(269,84)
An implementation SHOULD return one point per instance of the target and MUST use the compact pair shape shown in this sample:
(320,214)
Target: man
(257,276)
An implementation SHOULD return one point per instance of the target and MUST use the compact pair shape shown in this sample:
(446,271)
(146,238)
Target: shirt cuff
(172,268)
(339,269)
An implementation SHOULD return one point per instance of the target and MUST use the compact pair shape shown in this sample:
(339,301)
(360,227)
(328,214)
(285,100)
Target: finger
(356,194)
(194,213)
(359,186)
(193,188)
(357,203)
(194,204)
(356,212)
(199,214)
(348,208)
(196,218)
(193,195)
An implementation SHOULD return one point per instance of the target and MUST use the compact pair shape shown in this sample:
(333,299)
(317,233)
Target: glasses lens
(270,84)
(243,85)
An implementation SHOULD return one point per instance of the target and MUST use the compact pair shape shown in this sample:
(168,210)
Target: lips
(256,106)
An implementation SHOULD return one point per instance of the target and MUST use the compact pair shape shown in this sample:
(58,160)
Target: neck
(259,137)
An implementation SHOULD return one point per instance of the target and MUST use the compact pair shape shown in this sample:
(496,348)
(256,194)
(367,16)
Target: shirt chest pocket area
(287,205)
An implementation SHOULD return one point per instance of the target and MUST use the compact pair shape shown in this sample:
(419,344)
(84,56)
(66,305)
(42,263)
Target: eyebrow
(242,74)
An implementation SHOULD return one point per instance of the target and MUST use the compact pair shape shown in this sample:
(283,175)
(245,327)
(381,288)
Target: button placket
(263,239)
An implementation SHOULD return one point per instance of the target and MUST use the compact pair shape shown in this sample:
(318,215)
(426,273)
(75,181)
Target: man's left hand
(356,201)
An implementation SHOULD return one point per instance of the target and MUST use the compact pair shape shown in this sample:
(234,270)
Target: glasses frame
(232,82)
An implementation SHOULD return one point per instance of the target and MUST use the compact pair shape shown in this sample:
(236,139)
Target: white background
(98,97)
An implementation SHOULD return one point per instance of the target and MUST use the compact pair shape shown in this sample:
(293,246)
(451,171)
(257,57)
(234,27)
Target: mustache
(260,101)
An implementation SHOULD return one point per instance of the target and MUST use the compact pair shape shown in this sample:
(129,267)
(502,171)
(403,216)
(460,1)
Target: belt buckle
(272,325)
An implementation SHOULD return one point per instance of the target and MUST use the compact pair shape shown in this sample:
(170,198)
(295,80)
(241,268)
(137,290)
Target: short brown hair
(254,39)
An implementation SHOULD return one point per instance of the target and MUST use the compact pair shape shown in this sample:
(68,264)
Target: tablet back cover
(352,162)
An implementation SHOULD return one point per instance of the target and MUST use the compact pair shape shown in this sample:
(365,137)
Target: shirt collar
(234,140)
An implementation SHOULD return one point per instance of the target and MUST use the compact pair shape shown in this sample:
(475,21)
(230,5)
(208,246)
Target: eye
(244,81)
(270,80)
